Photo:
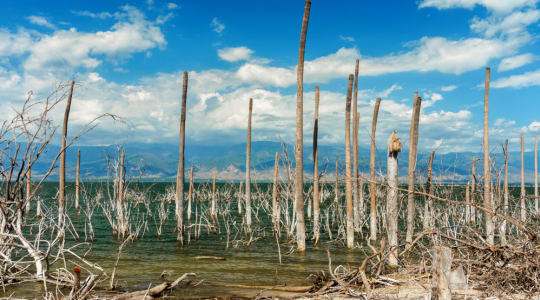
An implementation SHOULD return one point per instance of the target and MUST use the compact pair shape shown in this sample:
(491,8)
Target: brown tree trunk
(428,204)
(348,175)
(372,187)
(472,209)
(536,173)
(299,172)
(248,170)
(394,147)
(356,196)
(523,193)
(487,171)
(413,147)
(506,195)
(62,184)
(316,200)
(179,200)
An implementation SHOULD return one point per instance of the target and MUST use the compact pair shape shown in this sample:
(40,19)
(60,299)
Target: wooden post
(536,173)
(523,193)
(179,200)
(504,242)
(394,147)
(356,196)
(348,173)
(78,179)
(275,201)
(372,187)
(442,262)
(316,197)
(62,184)
(248,169)
(190,195)
(413,147)
(299,172)
(490,232)
(428,204)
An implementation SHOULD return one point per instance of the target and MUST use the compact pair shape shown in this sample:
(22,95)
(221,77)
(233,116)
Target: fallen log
(153,292)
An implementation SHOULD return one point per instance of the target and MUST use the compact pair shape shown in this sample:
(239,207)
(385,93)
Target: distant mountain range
(159,161)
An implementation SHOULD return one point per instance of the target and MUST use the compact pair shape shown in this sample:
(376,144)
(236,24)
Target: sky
(127,58)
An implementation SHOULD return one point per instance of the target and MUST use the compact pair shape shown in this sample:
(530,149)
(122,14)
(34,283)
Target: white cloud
(534,126)
(172,5)
(15,43)
(448,88)
(101,15)
(346,38)
(515,23)
(430,99)
(518,81)
(264,75)
(514,62)
(498,6)
(217,26)
(502,122)
(232,54)
(41,21)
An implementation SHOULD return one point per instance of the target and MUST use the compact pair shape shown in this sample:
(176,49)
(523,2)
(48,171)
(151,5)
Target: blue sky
(128,58)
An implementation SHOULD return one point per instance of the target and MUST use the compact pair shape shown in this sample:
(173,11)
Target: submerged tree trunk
(120,199)
(179,200)
(248,170)
(77,180)
(428,204)
(372,187)
(394,147)
(213,207)
(336,185)
(28,186)
(487,171)
(190,195)
(523,193)
(316,200)
(355,117)
(413,146)
(62,184)
(348,175)
(275,200)
(299,172)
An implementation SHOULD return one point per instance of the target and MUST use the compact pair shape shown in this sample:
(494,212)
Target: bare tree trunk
(336,185)
(180,173)
(62,187)
(468,206)
(28,186)
(348,175)
(78,179)
(372,187)
(316,200)
(490,232)
(240,192)
(248,170)
(275,201)
(120,199)
(356,196)
(413,147)
(190,195)
(536,173)
(394,147)
(523,193)
(442,262)
(213,212)
(473,191)
(506,194)
(299,172)
(428,204)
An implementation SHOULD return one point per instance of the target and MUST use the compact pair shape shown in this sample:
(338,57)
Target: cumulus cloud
(498,6)
(232,54)
(518,81)
(514,62)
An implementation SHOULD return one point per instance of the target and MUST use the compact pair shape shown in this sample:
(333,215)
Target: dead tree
(506,195)
(28,186)
(190,195)
(372,187)
(413,148)
(523,193)
(356,196)
(275,200)
(472,208)
(248,170)
(62,184)
(394,147)
(179,199)
(428,204)
(122,222)
(536,173)
(213,205)
(490,232)
(299,171)
(78,179)
(316,197)
(348,175)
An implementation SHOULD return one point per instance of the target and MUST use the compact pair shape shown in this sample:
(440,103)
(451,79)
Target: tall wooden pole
(356,196)
(523,193)
(316,200)
(413,147)
(490,232)
(248,170)
(62,184)
(348,173)
(179,200)
(372,187)
(299,172)
(394,147)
